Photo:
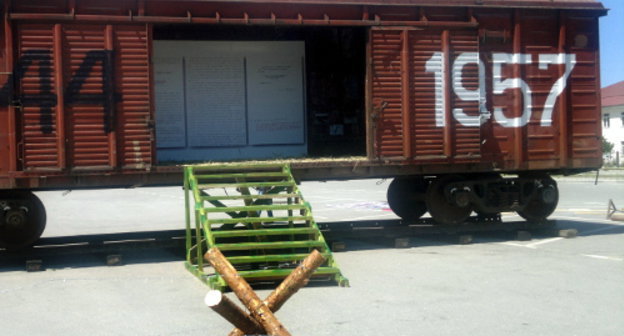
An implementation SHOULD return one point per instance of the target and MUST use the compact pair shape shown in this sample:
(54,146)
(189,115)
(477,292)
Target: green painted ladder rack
(255,214)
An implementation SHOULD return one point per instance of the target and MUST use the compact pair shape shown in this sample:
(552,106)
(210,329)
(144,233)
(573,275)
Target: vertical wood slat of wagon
(386,47)
(584,83)
(540,36)
(8,153)
(425,89)
(465,124)
(109,96)
(88,124)
(562,104)
(495,33)
(405,95)
(151,124)
(518,132)
(132,81)
(35,72)
(371,111)
(446,48)
(60,99)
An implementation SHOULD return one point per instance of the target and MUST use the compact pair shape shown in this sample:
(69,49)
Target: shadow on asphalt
(166,246)
(98,250)
(426,236)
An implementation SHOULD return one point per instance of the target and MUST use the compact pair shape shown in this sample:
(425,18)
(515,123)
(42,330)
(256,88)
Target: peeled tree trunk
(245,293)
(295,281)
(222,305)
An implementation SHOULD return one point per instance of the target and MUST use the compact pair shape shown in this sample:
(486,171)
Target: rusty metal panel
(442,124)
(132,82)
(83,92)
(107,7)
(519,92)
(426,13)
(36,112)
(540,36)
(584,88)
(446,6)
(386,46)
(495,36)
(39,6)
(88,69)
(466,94)
(6,141)
(426,84)
(555,69)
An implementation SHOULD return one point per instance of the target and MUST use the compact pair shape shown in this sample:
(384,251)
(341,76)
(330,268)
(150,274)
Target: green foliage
(607,147)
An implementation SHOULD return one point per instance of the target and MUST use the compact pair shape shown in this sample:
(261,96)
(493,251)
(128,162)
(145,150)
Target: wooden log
(245,293)
(232,313)
(295,281)
(618,216)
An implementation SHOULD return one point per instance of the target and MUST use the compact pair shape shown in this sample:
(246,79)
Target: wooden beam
(231,312)
(405,95)
(295,281)
(60,96)
(245,293)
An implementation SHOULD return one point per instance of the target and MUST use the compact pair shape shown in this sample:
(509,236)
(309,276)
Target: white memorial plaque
(215,97)
(275,95)
(169,91)
(229,100)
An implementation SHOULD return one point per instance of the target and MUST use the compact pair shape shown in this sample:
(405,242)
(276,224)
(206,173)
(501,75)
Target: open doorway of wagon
(230,93)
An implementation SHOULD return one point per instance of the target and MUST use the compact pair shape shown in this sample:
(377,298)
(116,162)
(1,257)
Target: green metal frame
(285,239)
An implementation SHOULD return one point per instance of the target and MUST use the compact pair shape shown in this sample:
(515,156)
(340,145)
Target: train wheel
(440,208)
(406,197)
(544,202)
(22,219)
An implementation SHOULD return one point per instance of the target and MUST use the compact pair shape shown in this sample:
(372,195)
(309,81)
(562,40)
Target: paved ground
(496,286)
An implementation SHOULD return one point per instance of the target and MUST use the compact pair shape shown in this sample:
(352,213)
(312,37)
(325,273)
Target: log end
(213,298)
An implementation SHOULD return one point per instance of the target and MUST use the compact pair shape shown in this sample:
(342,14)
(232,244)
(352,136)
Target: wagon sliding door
(425,94)
(85,99)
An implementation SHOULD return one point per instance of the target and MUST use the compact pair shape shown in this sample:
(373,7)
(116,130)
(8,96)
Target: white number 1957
(499,86)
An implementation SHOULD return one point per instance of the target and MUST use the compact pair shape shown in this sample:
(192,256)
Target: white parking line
(373,216)
(517,245)
(543,241)
(596,220)
(534,244)
(602,257)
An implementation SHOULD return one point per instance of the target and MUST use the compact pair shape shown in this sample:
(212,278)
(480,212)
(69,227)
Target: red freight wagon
(444,95)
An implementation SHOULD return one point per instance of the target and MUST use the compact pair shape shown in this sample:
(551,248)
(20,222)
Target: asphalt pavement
(495,286)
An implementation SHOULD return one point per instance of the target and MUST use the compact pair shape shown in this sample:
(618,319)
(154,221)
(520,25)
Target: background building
(613,120)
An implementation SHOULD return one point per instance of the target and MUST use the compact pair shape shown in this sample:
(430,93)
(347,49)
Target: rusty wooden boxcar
(444,95)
